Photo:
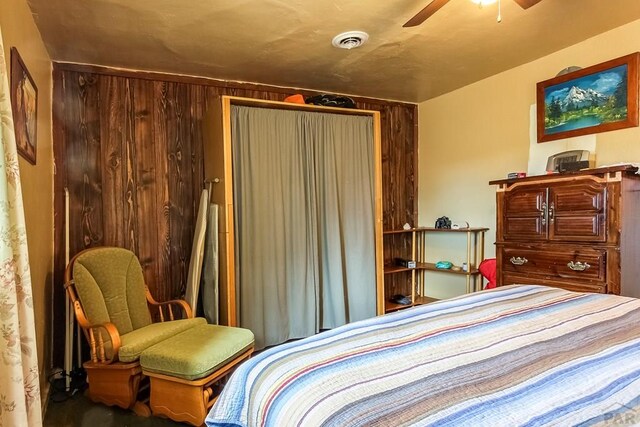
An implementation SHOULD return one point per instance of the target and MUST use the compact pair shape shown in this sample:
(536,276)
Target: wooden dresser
(578,231)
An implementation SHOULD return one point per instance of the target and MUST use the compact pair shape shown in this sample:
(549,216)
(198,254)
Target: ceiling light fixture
(350,39)
(482,3)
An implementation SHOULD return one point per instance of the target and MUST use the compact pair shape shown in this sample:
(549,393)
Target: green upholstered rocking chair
(113,306)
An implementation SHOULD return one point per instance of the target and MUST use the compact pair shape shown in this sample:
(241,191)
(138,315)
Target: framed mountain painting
(599,98)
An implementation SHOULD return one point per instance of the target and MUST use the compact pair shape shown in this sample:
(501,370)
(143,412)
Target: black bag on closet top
(328,100)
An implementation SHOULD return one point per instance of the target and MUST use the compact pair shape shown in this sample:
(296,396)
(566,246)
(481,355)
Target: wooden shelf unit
(417,252)
(392,306)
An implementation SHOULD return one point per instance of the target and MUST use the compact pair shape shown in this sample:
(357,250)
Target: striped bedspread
(516,355)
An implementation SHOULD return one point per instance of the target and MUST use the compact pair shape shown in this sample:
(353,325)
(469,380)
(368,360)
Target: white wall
(481,132)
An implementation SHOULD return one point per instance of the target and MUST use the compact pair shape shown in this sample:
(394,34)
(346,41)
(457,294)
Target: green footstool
(184,368)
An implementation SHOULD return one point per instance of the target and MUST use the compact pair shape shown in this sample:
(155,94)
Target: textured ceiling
(288,42)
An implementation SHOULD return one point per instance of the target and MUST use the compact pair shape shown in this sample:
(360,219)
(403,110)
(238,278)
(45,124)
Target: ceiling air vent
(350,39)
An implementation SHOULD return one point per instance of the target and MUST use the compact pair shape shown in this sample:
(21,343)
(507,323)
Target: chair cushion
(110,286)
(196,352)
(135,342)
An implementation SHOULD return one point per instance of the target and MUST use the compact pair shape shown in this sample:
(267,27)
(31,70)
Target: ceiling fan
(435,5)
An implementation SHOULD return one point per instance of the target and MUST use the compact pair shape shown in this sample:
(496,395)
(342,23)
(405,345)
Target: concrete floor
(79,411)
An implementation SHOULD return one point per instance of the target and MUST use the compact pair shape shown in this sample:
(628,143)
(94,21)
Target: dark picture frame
(600,98)
(24,103)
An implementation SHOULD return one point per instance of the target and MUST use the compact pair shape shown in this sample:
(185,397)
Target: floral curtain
(19,383)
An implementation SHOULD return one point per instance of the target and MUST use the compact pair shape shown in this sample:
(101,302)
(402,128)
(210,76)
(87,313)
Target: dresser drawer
(572,263)
(568,284)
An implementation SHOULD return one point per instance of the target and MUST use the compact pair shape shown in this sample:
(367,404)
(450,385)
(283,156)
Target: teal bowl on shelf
(444,265)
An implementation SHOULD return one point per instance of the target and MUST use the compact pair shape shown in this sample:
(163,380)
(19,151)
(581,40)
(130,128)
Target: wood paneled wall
(128,146)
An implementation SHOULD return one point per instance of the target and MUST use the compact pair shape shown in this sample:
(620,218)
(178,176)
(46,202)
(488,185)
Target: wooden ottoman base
(187,400)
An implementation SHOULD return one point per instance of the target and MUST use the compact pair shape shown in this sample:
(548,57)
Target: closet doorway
(300,229)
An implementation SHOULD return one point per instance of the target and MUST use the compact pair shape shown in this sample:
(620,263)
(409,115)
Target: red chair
(488,270)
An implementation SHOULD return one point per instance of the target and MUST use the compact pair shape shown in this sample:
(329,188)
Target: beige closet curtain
(19,383)
(304,211)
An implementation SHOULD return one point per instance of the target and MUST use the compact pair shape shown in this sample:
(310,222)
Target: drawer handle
(518,260)
(578,266)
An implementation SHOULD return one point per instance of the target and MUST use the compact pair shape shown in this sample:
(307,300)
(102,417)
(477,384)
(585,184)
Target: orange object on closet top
(295,99)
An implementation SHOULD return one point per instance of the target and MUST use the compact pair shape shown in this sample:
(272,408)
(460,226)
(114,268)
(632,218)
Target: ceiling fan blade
(526,4)
(421,16)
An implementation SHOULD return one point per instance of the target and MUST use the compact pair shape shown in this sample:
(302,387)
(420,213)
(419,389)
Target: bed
(515,355)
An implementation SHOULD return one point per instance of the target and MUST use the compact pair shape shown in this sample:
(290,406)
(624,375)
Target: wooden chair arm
(188,314)
(96,342)
(92,332)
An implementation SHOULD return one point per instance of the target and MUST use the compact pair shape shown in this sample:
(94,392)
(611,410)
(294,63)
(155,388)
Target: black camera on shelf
(443,222)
